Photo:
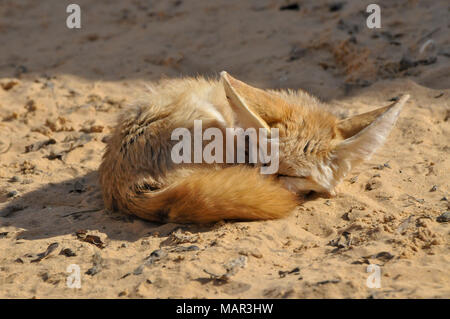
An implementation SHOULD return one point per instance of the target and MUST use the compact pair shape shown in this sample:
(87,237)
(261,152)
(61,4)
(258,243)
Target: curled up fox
(315,151)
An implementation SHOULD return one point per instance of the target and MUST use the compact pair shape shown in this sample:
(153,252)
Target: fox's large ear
(253,107)
(365,133)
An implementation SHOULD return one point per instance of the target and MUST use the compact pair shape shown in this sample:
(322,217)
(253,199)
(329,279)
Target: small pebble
(78,187)
(336,6)
(384,256)
(283,274)
(353,179)
(123,293)
(15,179)
(92,271)
(444,218)
(44,276)
(138,270)
(12,193)
(257,254)
(126,275)
(292,6)
(188,248)
(155,256)
(67,252)
(433,189)
(159,253)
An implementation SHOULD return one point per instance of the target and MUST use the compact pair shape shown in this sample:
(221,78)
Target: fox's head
(316,150)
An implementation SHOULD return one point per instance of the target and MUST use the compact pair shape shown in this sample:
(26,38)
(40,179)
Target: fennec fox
(316,151)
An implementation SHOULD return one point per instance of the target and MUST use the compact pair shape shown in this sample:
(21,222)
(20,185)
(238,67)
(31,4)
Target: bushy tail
(209,195)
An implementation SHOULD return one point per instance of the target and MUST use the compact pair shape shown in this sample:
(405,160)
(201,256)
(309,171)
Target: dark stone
(336,6)
(292,6)
(444,218)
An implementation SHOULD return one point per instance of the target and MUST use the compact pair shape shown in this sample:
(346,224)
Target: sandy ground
(62,89)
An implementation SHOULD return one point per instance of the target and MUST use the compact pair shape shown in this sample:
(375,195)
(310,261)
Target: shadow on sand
(58,209)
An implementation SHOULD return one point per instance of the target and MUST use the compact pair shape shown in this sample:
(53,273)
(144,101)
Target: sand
(61,91)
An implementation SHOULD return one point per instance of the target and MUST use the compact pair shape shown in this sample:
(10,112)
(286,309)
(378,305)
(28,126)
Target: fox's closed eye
(291,176)
(310,194)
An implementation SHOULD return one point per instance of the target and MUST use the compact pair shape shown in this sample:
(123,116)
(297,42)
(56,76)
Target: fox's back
(139,150)
(189,99)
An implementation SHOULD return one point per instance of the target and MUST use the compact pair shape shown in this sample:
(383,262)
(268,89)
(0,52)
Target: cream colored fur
(317,151)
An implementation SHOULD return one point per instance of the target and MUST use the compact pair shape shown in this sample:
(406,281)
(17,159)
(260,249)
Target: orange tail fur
(211,195)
